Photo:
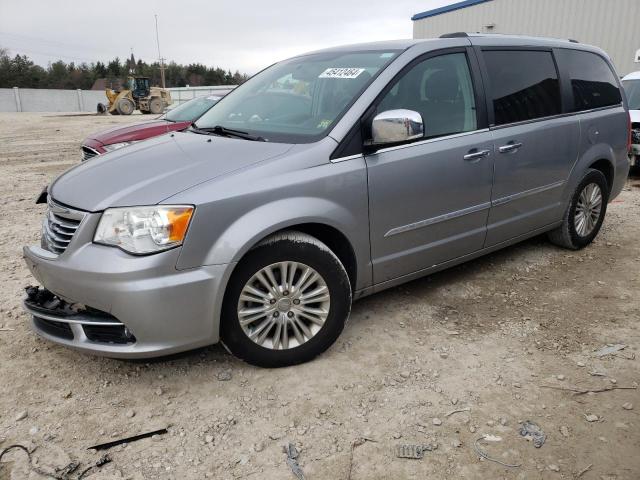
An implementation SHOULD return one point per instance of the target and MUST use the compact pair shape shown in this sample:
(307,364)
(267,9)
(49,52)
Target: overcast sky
(246,35)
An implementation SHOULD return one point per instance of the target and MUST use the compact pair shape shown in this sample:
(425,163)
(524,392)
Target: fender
(594,153)
(266,219)
(233,215)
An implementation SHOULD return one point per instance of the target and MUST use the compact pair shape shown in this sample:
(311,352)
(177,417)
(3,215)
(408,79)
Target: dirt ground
(438,362)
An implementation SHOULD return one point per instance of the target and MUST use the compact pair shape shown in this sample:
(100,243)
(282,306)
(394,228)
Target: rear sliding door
(535,144)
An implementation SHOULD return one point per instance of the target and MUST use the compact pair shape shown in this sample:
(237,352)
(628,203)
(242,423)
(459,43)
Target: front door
(429,200)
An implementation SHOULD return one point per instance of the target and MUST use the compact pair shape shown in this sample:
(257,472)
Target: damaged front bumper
(58,318)
(634,155)
(101,300)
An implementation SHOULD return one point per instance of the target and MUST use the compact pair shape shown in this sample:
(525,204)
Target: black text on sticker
(341,72)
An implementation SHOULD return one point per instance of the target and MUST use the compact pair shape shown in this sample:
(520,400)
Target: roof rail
(573,41)
(454,35)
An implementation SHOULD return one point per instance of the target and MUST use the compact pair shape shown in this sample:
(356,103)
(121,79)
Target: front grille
(59,226)
(55,329)
(88,153)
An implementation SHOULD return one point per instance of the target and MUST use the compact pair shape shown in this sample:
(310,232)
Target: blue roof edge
(447,8)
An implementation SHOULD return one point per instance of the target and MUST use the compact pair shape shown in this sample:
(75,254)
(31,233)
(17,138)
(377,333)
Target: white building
(613,25)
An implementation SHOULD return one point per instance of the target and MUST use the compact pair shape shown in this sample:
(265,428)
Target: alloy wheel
(588,209)
(283,305)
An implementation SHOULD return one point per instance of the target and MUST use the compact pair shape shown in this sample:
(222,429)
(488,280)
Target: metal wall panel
(613,25)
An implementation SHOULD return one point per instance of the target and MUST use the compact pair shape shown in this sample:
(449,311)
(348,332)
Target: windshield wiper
(228,132)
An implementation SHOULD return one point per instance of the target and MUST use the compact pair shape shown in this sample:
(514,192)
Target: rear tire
(125,106)
(584,214)
(297,318)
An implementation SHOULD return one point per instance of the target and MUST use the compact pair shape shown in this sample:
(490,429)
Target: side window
(593,83)
(523,85)
(441,90)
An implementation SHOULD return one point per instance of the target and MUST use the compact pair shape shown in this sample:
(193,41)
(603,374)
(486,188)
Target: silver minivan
(324,178)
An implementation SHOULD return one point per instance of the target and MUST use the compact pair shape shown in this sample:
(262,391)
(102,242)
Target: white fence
(182,94)
(53,100)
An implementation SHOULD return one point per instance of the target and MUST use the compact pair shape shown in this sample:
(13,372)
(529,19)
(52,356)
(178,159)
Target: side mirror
(396,126)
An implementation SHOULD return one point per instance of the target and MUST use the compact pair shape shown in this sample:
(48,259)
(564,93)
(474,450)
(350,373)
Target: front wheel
(585,213)
(287,301)
(125,106)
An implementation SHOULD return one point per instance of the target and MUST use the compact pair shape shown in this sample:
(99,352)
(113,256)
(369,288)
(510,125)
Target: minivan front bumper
(164,310)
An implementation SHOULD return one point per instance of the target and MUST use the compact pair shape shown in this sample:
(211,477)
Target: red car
(178,118)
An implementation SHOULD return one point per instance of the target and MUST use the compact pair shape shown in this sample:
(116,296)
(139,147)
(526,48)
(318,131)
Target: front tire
(125,106)
(287,301)
(584,214)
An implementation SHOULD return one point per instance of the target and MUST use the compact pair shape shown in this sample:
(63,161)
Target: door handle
(511,147)
(476,155)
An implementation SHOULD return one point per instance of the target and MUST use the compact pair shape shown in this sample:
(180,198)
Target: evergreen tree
(20,71)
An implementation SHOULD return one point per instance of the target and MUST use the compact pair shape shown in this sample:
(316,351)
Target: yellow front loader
(137,96)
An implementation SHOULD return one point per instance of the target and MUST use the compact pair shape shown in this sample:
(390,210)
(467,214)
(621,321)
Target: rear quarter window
(593,83)
(523,85)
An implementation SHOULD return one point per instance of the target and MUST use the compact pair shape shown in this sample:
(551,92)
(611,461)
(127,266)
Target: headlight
(116,146)
(142,230)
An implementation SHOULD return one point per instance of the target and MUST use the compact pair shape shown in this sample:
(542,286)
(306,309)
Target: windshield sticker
(341,72)
(324,124)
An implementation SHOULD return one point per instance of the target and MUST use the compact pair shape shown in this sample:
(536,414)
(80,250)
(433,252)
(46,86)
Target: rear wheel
(286,303)
(585,213)
(155,106)
(125,106)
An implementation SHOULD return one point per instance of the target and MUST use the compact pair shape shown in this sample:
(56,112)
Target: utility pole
(160,56)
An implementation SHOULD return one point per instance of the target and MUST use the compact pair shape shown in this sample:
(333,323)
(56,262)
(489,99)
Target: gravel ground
(438,362)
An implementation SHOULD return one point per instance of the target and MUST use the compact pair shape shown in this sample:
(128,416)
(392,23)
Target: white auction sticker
(341,72)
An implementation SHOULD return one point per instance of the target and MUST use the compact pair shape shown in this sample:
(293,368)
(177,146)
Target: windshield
(191,110)
(632,89)
(298,100)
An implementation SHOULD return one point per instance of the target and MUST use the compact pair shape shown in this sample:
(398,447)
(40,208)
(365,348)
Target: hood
(137,131)
(635,116)
(151,171)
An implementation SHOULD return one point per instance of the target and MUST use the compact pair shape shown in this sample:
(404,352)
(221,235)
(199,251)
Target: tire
(125,106)
(568,235)
(155,106)
(305,255)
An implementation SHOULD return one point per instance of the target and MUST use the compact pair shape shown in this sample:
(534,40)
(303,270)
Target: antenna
(160,56)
